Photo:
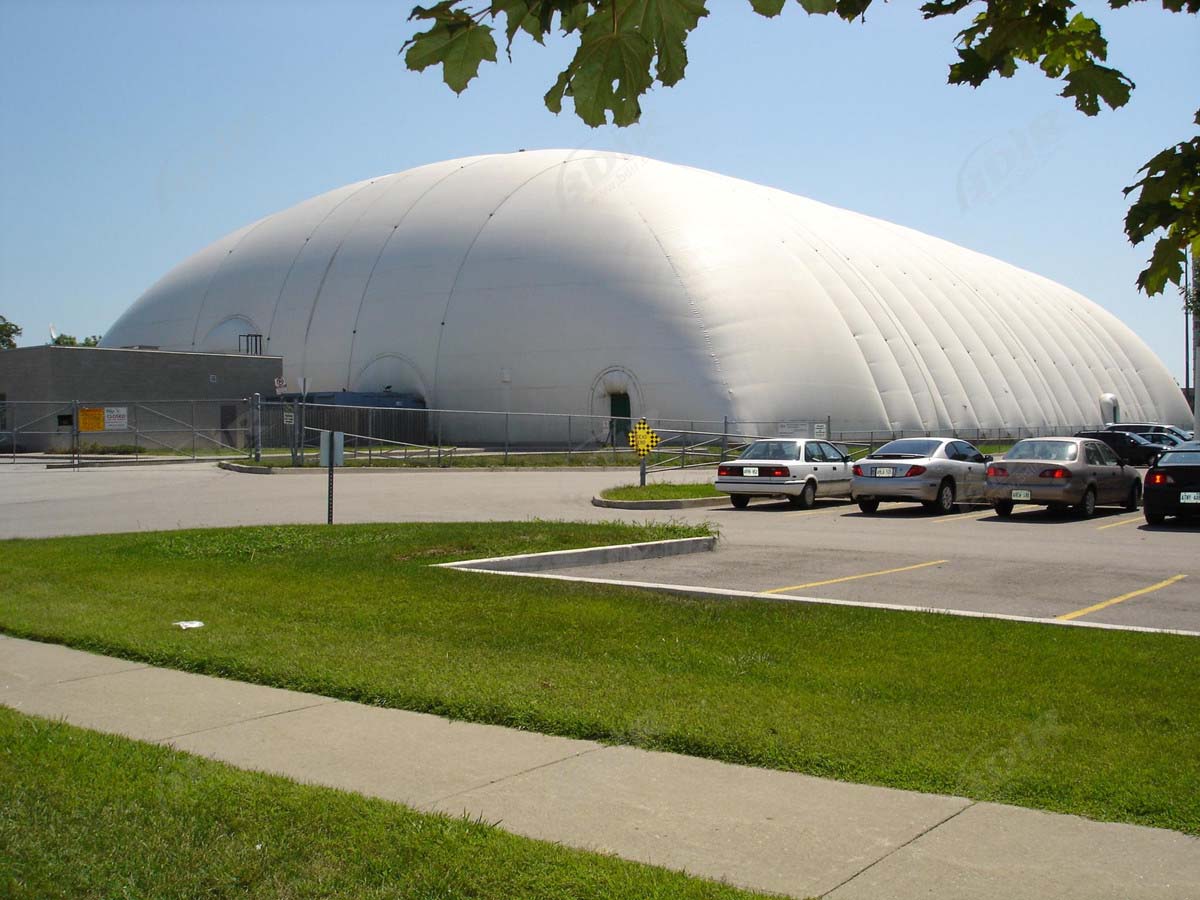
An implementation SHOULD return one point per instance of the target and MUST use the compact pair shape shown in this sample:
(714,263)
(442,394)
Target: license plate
(885,471)
(750,471)
(1022,495)
(1189,497)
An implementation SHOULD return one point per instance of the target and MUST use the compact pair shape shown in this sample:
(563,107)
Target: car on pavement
(1061,472)
(936,472)
(1150,428)
(1129,446)
(801,469)
(1172,485)
(1161,437)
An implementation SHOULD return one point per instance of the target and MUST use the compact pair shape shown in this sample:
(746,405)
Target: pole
(642,469)
(258,427)
(75,434)
(1195,308)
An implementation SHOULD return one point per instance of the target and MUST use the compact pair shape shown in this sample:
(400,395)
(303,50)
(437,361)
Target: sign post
(642,439)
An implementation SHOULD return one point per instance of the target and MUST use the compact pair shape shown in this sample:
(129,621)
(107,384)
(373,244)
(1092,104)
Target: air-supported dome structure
(560,281)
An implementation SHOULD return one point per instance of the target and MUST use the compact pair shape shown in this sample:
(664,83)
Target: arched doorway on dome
(616,400)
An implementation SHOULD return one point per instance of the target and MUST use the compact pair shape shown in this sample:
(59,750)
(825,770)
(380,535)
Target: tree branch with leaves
(625,47)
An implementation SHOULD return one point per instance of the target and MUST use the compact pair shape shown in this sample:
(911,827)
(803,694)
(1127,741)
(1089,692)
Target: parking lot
(1109,569)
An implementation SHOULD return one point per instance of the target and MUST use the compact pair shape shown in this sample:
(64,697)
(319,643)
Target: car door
(1100,472)
(816,465)
(839,470)
(1118,476)
(976,470)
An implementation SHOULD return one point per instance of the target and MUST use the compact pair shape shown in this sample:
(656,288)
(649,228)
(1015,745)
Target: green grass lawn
(87,815)
(1100,723)
(661,491)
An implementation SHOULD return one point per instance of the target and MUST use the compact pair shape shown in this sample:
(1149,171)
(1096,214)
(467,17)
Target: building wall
(166,395)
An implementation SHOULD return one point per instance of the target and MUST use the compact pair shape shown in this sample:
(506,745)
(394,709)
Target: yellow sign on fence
(91,418)
(642,439)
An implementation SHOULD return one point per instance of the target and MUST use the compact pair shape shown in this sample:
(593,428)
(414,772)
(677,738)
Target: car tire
(1134,500)
(1003,508)
(945,499)
(1153,518)
(739,501)
(807,498)
(1086,508)
(868,506)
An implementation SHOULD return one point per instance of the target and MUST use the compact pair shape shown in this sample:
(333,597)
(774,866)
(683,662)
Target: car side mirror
(987,458)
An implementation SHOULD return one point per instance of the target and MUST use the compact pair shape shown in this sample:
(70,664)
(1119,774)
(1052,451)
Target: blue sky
(133,133)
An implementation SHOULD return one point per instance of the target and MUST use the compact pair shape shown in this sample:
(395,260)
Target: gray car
(1062,472)
(799,469)
(936,472)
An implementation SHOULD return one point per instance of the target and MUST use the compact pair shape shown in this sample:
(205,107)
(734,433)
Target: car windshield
(772,450)
(1055,451)
(1139,438)
(907,448)
(1179,458)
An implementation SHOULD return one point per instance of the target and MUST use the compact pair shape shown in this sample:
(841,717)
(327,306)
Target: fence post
(137,455)
(724,437)
(75,434)
(257,427)
(506,438)
(568,437)
(193,431)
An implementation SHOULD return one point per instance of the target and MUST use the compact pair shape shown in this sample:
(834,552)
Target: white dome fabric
(544,281)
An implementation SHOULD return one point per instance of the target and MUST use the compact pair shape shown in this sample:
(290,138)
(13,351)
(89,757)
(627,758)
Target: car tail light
(724,470)
(780,472)
(1159,478)
(997,472)
(1058,473)
(914,471)
(857,470)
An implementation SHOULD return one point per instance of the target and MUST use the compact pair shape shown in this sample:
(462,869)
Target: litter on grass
(190,624)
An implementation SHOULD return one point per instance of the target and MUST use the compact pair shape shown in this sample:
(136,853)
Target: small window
(65,420)
(813,452)
(1093,455)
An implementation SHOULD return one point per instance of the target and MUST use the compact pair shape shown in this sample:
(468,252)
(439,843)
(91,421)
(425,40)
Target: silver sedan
(936,472)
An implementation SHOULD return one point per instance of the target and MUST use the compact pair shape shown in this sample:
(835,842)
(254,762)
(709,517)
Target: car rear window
(1055,451)
(772,450)
(908,447)
(1179,458)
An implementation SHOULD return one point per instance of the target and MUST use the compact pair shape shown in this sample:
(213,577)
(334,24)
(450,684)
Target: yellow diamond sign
(642,439)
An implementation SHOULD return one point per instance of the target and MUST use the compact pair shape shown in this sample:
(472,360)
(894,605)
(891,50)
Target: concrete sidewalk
(767,830)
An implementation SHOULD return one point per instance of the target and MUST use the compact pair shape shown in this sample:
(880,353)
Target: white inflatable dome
(553,281)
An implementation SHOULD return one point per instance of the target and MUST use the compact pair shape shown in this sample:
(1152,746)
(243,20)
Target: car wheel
(806,498)
(1003,508)
(1086,508)
(868,506)
(739,501)
(945,499)
(1134,500)
(1153,518)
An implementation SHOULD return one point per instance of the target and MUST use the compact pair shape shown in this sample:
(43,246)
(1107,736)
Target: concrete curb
(590,556)
(687,503)
(248,470)
(106,463)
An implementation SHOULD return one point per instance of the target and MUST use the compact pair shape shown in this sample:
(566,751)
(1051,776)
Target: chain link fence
(135,429)
(287,432)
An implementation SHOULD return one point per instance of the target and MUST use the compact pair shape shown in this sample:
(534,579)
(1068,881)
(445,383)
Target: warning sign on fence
(104,418)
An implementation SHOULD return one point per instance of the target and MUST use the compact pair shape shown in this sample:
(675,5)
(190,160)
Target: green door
(619,412)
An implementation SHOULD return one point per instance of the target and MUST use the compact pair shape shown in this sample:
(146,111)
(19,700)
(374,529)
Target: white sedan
(800,469)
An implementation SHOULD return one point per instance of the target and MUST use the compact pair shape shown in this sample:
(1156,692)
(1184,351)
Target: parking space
(1111,568)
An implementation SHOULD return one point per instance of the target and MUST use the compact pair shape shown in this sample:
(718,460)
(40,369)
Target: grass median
(663,490)
(93,815)
(1100,723)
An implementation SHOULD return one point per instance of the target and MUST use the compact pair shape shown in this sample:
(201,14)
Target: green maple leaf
(609,73)
(459,46)
(666,24)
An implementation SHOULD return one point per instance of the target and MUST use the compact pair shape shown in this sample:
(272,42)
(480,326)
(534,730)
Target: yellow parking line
(1146,590)
(796,587)
(1122,522)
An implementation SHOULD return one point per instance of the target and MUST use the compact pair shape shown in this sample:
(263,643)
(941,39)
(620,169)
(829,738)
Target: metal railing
(205,429)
